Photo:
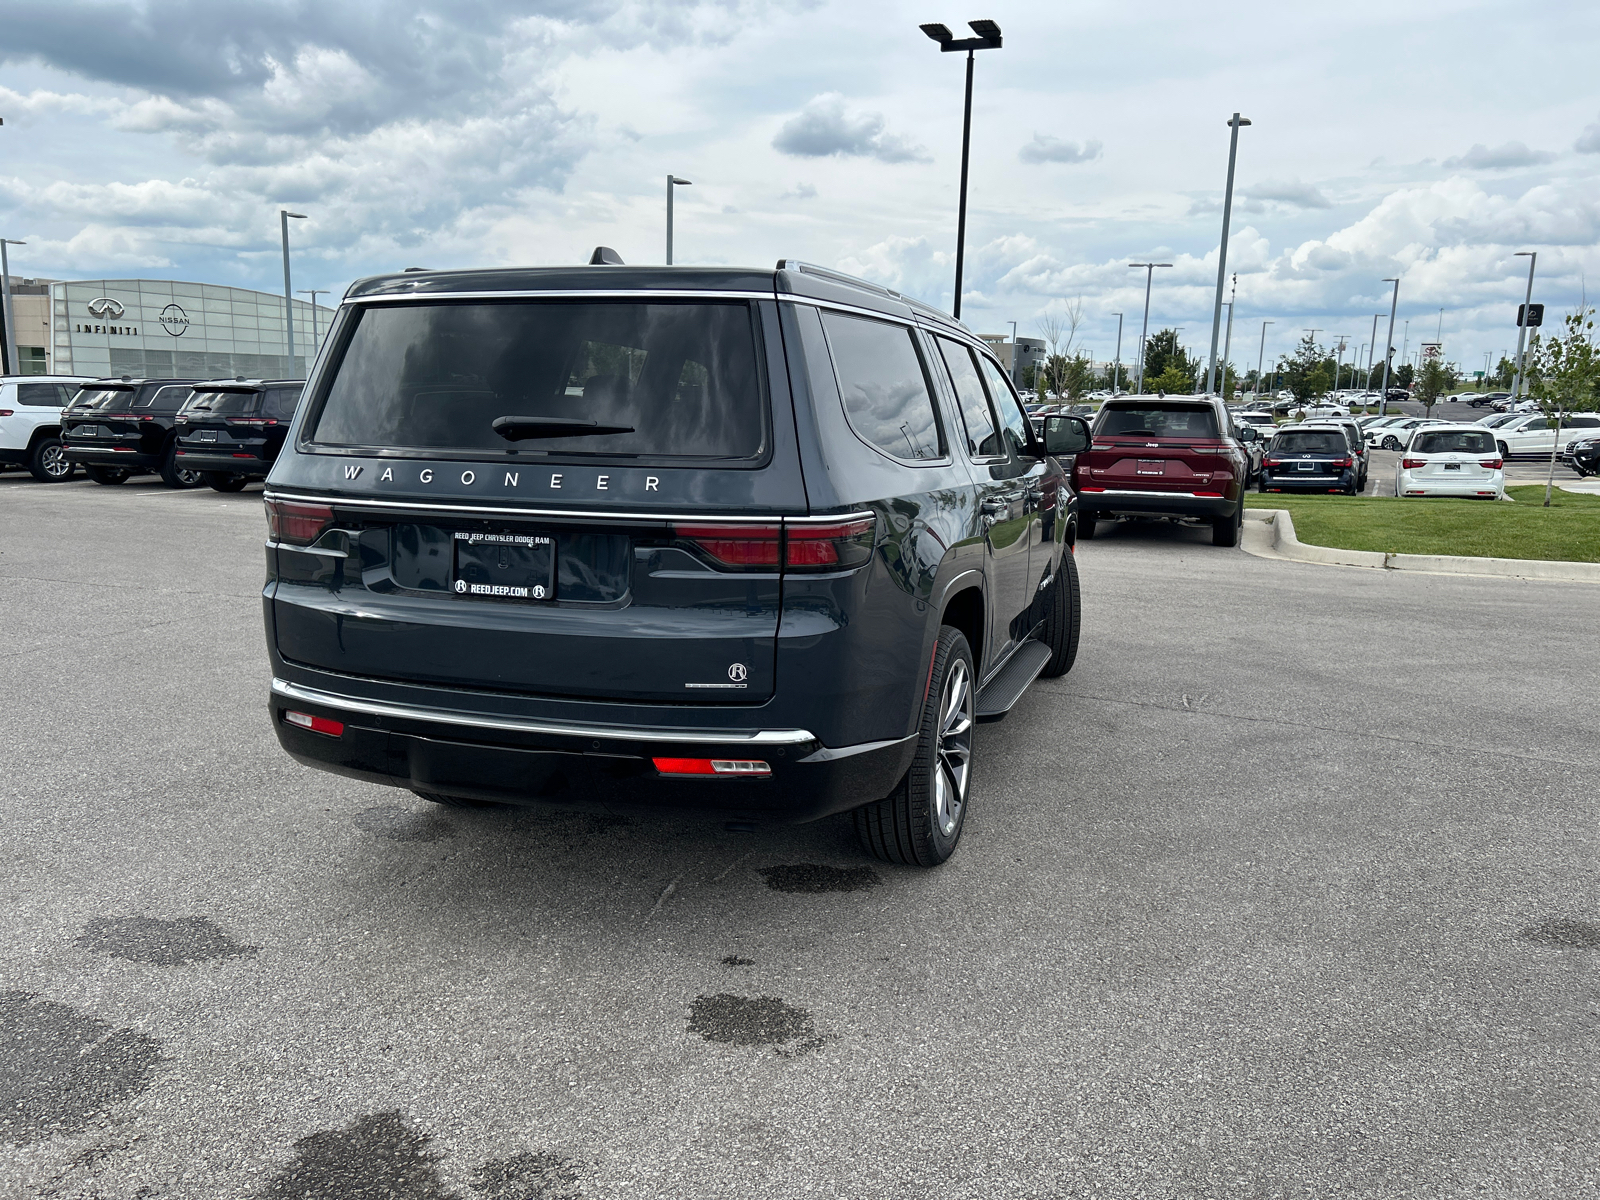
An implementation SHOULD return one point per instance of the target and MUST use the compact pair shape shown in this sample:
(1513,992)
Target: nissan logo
(105,307)
(174,320)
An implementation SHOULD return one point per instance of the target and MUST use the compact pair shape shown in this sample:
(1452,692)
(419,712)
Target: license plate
(1151,466)
(1452,466)
(206,435)
(86,431)
(1308,466)
(505,566)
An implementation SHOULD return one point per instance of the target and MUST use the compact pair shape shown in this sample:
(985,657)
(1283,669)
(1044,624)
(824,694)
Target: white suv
(30,423)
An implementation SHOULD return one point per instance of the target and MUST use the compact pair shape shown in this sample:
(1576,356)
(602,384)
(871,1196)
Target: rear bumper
(1483,487)
(1132,502)
(1317,483)
(207,459)
(110,457)
(575,764)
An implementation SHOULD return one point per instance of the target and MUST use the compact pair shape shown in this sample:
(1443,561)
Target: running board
(1006,688)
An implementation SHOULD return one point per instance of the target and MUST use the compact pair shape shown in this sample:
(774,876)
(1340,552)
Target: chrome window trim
(445,509)
(444,716)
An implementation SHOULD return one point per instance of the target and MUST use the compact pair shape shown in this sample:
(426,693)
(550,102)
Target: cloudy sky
(1430,140)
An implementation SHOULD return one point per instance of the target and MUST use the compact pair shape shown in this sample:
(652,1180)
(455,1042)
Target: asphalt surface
(1287,890)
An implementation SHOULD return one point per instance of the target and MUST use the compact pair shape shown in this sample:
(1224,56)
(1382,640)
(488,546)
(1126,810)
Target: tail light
(1494,464)
(1411,464)
(749,768)
(1341,463)
(832,547)
(7,412)
(314,723)
(1272,462)
(296,523)
(253,422)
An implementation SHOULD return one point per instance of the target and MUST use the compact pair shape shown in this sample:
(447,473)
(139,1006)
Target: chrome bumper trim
(445,716)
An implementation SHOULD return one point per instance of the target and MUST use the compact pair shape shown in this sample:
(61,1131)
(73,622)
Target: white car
(1451,460)
(1263,422)
(1537,436)
(1395,436)
(1313,411)
(1494,420)
(30,423)
(1463,397)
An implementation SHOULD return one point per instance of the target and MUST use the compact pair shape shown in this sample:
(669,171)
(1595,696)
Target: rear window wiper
(517,429)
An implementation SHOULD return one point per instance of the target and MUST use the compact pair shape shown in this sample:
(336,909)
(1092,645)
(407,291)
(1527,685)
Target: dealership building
(158,328)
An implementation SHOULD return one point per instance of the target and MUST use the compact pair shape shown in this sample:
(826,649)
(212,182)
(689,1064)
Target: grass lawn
(1568,530)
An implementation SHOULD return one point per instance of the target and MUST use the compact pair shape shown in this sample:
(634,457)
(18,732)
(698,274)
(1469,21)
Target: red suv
(1163,456)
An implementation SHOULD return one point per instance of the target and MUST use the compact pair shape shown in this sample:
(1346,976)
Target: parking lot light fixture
(988,39)
(1144,332)
(1235,123)
(1388,350)
(672,182)
(11,361)
(1516,384)
(284,217)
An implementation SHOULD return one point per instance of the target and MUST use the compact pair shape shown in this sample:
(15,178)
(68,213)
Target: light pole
(1405,343)
(314,293)
(1338,362)
(1235,123)
(988,39)
(11,362)
(672,182)
(1486,368)
(1388,348)
(1144,332)
(1522,326)
(1016,366)
(1116,366)
(284,217)
(1372,348)
(1261,355)
(1439,336)
(1227,345)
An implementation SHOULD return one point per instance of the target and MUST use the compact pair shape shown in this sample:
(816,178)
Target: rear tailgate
(542,564)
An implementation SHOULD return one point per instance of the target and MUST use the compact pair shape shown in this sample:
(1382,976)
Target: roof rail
(805,268)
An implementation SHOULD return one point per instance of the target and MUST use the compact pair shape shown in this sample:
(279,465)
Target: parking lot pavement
(1288,889)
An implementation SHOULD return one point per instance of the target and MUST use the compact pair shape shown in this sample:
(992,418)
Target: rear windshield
(1453,441)
(676,380)
(222,403)
(1311,441)
(1159,420)
(104,398)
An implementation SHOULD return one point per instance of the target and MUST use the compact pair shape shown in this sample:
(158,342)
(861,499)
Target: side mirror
(1065,436)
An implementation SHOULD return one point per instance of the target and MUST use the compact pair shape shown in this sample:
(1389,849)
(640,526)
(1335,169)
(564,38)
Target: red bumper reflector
(313,723)
(711,766)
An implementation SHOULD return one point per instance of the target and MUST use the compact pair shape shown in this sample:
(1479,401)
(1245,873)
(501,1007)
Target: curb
(1281,542)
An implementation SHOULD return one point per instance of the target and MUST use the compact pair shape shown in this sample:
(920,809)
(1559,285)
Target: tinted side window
(39,395)
(170,398)
(982,437)
(885,391)
(281,402)
(1009,407)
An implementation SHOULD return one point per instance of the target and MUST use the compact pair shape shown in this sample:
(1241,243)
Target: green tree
(1432,382)
(1174,381)
(1564,377)
(1161,350)
(1078,378)
(1404,376)
(1304,374)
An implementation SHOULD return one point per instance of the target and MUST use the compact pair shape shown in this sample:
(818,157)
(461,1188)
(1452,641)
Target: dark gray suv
(766,543)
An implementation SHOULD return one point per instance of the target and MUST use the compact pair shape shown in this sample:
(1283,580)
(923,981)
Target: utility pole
(1522,326)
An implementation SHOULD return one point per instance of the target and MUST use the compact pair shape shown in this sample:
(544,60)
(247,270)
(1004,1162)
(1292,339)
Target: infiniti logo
(105,307)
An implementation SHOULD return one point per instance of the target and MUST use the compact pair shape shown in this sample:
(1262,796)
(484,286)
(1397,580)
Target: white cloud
(800,191)
(1293,194)
(1503,157)
(826,127)
(1045,148)
(1589,140)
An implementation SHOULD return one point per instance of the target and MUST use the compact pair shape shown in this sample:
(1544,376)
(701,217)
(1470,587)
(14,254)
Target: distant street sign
(1535,315)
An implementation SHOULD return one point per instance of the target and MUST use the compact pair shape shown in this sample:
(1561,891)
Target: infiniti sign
(105,308)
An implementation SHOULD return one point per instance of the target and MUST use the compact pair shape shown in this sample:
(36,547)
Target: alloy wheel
(55,463)
(954,751)
(190,478)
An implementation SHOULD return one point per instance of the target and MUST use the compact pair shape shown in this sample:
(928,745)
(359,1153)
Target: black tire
(46,464)
(455,801)
(1391,443)
(1505,451)
(1061,626)
(175,476)
(920,822)
(106,475)
(225,481)
(1086,523)
(1226,532)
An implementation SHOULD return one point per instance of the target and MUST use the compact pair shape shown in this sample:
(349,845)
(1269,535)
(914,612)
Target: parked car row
(188,431)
